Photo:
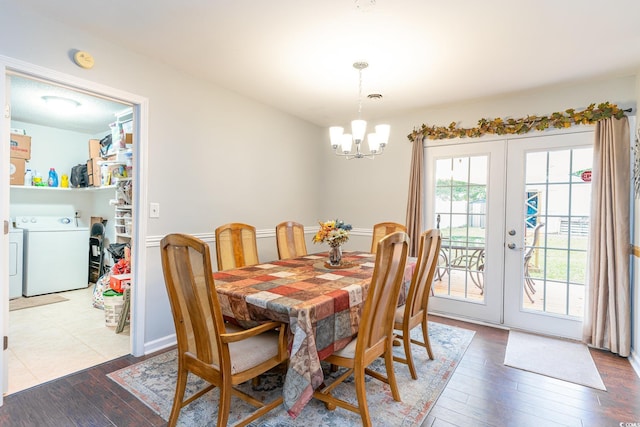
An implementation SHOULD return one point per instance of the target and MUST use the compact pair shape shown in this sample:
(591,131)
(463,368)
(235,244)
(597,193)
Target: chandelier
(343,143)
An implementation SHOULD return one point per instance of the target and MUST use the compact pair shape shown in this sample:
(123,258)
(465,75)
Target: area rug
(153,382)
(28,302)
(562,359)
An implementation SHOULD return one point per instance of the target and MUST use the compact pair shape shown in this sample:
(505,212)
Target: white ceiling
(92,115)
(297,55)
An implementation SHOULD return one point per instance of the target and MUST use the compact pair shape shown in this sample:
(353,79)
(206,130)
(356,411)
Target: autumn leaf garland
(498,126)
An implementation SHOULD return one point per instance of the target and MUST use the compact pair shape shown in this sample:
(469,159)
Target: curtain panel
(416,195)
(607,322)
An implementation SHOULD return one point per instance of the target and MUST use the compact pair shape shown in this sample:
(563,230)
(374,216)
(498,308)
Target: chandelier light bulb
(383,132)
(346,143)
(358,129)
(335,136)
(374,142)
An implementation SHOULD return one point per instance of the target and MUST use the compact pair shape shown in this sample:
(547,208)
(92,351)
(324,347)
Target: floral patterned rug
(153,382)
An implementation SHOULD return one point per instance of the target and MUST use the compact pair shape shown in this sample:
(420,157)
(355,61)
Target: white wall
(635,284)
(54,148)
(60,149)
(213,157)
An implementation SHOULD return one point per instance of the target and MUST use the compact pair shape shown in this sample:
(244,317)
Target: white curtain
(607,322)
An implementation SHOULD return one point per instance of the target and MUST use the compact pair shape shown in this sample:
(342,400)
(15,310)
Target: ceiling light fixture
(60,103)
(342,143)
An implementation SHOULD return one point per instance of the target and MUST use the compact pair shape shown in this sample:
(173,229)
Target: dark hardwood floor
(481,392)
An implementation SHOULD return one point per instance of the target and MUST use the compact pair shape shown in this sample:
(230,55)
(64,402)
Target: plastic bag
(117,250)
(102,284)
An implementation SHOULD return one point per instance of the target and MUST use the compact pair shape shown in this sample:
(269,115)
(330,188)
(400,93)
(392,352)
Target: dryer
(15,262)
(56,254)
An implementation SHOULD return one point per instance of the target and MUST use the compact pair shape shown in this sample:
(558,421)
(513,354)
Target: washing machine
(56,254)
(16,238)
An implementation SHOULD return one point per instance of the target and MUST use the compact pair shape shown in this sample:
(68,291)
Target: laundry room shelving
(36,188)
(123,209)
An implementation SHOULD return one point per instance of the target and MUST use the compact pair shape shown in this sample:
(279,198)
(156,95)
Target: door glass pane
(461,215)
(557,203)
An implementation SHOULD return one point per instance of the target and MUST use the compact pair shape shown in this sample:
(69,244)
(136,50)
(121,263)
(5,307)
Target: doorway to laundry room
(71,203)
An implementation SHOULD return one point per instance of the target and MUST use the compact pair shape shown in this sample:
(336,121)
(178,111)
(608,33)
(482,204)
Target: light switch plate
(154,210)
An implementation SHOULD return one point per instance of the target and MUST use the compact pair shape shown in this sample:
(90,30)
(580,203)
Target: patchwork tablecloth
(321,305)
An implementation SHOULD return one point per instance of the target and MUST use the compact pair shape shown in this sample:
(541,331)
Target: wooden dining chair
(221,354)
(290,240)
(414,311)
(375,331)
(236,246)
(382,229)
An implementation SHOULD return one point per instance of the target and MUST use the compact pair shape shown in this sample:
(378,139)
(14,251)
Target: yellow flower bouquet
(334,233)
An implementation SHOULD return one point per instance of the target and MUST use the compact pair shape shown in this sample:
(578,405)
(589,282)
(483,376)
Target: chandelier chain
(360,93)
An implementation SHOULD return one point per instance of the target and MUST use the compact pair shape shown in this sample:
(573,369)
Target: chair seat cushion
(349,352)
(252,351)
(399,316)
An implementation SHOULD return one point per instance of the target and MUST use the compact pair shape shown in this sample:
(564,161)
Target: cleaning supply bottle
(53,178)
(64,181)
(28,178)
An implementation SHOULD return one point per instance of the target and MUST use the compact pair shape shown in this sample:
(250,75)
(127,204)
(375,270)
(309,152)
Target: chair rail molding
(267,233)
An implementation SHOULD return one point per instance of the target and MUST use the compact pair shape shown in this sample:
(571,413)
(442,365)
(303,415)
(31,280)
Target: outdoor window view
(555,223)
(558,205)
(460,212)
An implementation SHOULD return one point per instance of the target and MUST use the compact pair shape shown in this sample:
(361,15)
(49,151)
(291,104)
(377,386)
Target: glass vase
(335,255)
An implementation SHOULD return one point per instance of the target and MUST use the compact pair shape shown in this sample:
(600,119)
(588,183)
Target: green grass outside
(555,259)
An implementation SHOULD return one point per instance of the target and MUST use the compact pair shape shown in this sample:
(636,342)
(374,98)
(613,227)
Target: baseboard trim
(160,344)
(634,359)
(469,320)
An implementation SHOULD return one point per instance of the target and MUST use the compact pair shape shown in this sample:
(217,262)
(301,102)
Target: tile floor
(54,340)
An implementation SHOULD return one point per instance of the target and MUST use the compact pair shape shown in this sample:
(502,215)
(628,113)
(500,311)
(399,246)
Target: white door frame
(140,147)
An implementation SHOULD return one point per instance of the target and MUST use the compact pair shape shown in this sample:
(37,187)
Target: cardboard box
(93,170)
(16,171)
(94,148)
(20,146)
(95,220)
(118,282)
(128,138)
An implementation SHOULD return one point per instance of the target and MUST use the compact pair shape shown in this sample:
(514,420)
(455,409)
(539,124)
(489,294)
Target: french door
(547,232)
(514,220)
(465,199)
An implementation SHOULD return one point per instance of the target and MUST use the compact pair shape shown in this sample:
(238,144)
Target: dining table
(321,304)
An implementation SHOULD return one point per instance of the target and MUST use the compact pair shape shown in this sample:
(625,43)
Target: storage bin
(113,306)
